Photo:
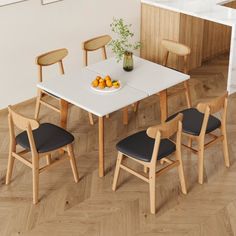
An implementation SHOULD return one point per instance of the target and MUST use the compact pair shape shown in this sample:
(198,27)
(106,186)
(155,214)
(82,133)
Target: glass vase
(128,62)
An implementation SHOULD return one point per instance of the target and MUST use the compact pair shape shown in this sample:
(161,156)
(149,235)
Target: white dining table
(146,79)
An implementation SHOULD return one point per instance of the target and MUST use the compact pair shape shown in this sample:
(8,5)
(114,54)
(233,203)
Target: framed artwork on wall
(9,2)
(45,2)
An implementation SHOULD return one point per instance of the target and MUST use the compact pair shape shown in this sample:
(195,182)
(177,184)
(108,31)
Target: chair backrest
(176,48)
(215,105)
(23,123)
(51,58)
(211,107)
(95,44)
(166,130)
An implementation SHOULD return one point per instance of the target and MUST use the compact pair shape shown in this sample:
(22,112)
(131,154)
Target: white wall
(28,29)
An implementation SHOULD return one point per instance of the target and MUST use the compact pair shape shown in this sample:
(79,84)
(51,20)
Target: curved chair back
(94,44)
(215,105)
(211,107)
(166,131)
(176,48)
(20,121)
(51,58)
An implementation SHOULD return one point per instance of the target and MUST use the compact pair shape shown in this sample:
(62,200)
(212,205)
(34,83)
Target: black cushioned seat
(192,121)
(47,137)
(140,146)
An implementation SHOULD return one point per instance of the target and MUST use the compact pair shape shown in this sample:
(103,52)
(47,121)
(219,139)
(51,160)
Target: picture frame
(9,2)
(46,2)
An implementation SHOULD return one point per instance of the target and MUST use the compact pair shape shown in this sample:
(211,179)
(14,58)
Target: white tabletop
(212,10)
(75,88)
(146,76)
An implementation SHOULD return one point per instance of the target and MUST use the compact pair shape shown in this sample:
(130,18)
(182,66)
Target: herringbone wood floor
(90,207)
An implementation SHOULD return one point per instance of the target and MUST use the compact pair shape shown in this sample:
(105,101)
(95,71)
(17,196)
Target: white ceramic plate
(106,89)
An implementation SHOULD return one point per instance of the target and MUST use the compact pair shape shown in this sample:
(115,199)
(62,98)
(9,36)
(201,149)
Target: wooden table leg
(101,145)
(64,113)
(125,116)
(163,105)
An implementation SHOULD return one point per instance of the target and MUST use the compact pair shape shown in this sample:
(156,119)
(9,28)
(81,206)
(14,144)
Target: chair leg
(200,162)
(38,104)
(181,174)
(91,119)
(125,116)
(190,142)
(49,160)
(145,169)
(225,146)
(152,189)
(187,94)
(10,166)
(35,171)
(117,170)
(73,162)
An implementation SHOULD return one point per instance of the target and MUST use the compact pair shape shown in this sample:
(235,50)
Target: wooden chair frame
(91,45)
(165,130)
(209,108)
(26,124)
(48,59)
(179,50)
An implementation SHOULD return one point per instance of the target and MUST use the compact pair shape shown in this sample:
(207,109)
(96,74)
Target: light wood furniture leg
(10,164)
(117,170)
(35,171)
(187,94)
(49,160)
(91,119)
(181,173)
(163,105)
(152,189)
(145,169)
(101,145)
(225,146)
(200,162)
(64,113)
(190,142)
(37,108)
(125,116)
(73,162)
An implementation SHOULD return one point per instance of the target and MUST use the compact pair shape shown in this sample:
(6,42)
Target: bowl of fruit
(106,84)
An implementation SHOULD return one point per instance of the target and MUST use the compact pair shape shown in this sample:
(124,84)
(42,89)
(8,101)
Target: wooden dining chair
(149,147)
(180,50)
(44,60)
(199,122)
(41,140)
(91,45)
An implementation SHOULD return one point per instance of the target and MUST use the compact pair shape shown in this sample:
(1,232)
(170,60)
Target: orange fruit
(101,85)
(101,80)
(98,78)
(95,83)
(108,83)
(107,77)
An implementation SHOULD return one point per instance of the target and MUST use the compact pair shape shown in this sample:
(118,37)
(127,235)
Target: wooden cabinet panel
(216,39)
(206,39)
(158,24)
(191,34)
